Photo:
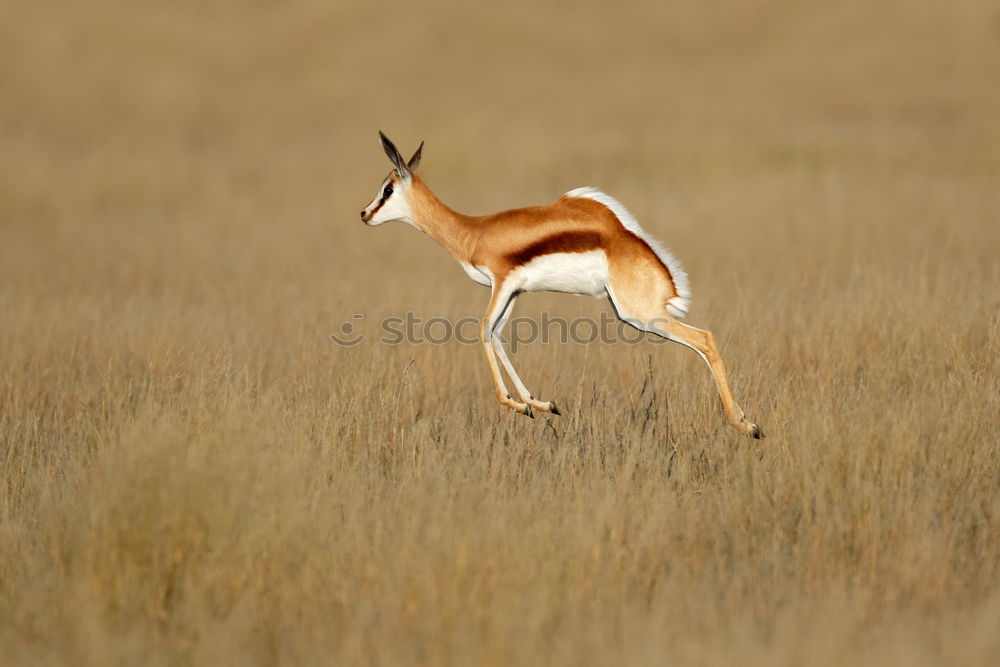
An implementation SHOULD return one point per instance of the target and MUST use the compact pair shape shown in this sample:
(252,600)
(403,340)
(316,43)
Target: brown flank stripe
(561,242)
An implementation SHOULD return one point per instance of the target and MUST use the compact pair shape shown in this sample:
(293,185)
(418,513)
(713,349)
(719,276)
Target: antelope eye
(387,192)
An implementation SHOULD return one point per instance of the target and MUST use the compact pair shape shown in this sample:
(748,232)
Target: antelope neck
(454,231)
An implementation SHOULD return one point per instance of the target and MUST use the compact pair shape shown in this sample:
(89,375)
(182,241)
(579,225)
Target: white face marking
(389,206)
(569,272)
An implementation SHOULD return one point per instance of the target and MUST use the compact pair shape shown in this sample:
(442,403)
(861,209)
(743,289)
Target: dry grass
(193,473)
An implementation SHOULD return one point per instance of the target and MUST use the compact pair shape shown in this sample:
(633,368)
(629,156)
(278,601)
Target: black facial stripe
(375,210)
(382,199)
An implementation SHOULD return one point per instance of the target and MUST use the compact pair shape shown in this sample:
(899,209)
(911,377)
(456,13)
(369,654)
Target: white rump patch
(678,305)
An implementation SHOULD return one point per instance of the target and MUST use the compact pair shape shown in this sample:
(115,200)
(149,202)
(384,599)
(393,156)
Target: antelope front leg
(522,391)
(498,304)
(519,386)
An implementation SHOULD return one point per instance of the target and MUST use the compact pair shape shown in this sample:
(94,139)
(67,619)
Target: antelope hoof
(528,412)
(542,406)
(755,432)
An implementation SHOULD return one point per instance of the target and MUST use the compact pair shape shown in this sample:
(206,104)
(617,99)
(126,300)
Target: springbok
(584,243)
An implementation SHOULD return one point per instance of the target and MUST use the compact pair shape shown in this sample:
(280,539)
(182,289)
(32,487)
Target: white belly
(570,272)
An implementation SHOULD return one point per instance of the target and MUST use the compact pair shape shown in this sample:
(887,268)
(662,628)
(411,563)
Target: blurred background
(143,135)
(193,471)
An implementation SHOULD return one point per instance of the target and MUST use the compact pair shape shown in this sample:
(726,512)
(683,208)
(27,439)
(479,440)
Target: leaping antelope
(584,243)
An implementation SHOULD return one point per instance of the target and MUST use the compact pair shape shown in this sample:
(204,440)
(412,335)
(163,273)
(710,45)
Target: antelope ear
(394,156)
(415,160)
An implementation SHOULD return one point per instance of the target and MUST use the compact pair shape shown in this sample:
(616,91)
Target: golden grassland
(191,472)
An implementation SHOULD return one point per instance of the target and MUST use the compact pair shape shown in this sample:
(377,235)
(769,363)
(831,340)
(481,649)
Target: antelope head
(392,201)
